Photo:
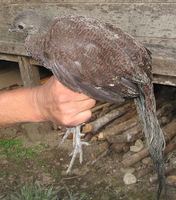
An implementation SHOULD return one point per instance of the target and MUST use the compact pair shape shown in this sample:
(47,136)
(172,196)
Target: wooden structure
(150,21)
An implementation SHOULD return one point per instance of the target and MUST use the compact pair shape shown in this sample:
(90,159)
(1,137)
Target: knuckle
(91,103)
(89,114)
(66,121)
(62,98)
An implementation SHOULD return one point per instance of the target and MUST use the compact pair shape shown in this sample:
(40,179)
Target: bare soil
(41,159)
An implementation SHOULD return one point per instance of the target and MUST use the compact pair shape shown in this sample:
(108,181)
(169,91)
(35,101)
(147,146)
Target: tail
(146,107)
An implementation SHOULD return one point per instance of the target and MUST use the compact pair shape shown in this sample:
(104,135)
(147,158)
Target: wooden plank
(14,58)
(29,73)
(165,67)
(157,41)
(152,22)
(164,61)
(85,1)
(12,48)
(162,73)
(8,57)
(164,80)
(138,19)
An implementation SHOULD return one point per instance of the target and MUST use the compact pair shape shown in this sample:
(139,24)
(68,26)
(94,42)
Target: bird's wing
(140,55)
(88,57)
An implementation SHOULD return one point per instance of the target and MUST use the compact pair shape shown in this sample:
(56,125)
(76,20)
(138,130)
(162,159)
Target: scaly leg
(77,144)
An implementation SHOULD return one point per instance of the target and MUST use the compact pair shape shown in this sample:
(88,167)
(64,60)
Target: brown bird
(101,61)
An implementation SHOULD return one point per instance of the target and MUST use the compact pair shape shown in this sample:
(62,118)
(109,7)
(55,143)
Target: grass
(34,192)
(37,192)
(14,149)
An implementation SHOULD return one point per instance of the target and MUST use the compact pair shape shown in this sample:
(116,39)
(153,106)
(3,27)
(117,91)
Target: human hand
(59,104)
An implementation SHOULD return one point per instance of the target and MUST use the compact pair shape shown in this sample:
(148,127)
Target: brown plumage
(100,60)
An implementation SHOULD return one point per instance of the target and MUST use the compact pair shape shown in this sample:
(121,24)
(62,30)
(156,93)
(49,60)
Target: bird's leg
(77,144)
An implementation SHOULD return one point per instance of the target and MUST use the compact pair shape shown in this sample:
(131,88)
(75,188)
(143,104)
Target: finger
(78,106)
(76,96)
(81,118)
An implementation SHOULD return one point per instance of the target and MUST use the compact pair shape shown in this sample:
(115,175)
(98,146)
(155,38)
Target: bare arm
(50,102)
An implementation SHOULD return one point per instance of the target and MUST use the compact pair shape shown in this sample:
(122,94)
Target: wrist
(37,99)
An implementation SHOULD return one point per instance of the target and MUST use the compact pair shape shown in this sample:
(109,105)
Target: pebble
(129,179)
(138,146)
(4,162)
(147,161)
(127,170)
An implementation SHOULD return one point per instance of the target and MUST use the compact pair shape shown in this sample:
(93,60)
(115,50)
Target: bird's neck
(33,44)
(45,24)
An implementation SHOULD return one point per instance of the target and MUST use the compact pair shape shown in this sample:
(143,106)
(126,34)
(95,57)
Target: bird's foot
(77,144)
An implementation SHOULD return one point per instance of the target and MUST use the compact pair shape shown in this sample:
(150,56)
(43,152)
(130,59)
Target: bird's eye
(21,27)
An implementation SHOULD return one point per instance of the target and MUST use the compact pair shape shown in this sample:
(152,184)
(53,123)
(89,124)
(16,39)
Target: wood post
(29,73)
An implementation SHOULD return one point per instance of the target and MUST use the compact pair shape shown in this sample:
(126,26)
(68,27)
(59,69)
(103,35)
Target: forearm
(18,106)
(49,102)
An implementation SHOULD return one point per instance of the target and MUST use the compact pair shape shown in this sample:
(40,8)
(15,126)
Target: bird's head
(28,22)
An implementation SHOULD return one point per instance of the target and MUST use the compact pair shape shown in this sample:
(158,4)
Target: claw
(66,135)
(77,145)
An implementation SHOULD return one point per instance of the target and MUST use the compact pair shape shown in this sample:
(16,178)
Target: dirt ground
(25,161)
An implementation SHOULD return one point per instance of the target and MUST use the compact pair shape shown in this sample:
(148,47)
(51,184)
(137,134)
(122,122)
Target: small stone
(57,163)
(4,162)
(171,180)
(84,186)
(147,160)
(127,170)
(138,146)
(46,178)
(101,136)
(94,139)
(129,179)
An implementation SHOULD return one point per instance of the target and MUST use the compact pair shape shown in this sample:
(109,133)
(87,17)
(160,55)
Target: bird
(100,60)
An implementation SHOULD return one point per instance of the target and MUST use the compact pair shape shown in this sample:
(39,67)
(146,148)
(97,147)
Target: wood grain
(150,21)
(29,74)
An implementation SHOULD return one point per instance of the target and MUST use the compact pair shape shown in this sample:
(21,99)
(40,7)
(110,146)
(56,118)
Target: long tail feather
(146,107)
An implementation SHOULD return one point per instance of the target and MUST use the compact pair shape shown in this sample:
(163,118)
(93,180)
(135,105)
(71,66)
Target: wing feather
(95,58)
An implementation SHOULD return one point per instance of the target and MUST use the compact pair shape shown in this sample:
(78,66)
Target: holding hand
(57,103)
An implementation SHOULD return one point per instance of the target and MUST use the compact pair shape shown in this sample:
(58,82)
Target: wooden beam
(8,57)
(29,73)
(164,80)
(12,48)
(84,1)
(14,58)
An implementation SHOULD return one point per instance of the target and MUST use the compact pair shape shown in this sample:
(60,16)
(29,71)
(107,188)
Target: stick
(128,136)
(129,126)
(171,181)
(170,129)
(103,154)
(120,128)
(120,147)
(170,147)
(100,122)
(169,169)
(99,107)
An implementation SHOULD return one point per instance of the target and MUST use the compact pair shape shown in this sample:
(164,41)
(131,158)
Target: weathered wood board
(150,21)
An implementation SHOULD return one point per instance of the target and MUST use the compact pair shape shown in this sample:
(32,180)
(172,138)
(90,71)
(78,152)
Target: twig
(130,135)
(120,128)
(103,154)
(169,169)
(102,121)
(96,108)
(170,129)
(120,147)
(171,180)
